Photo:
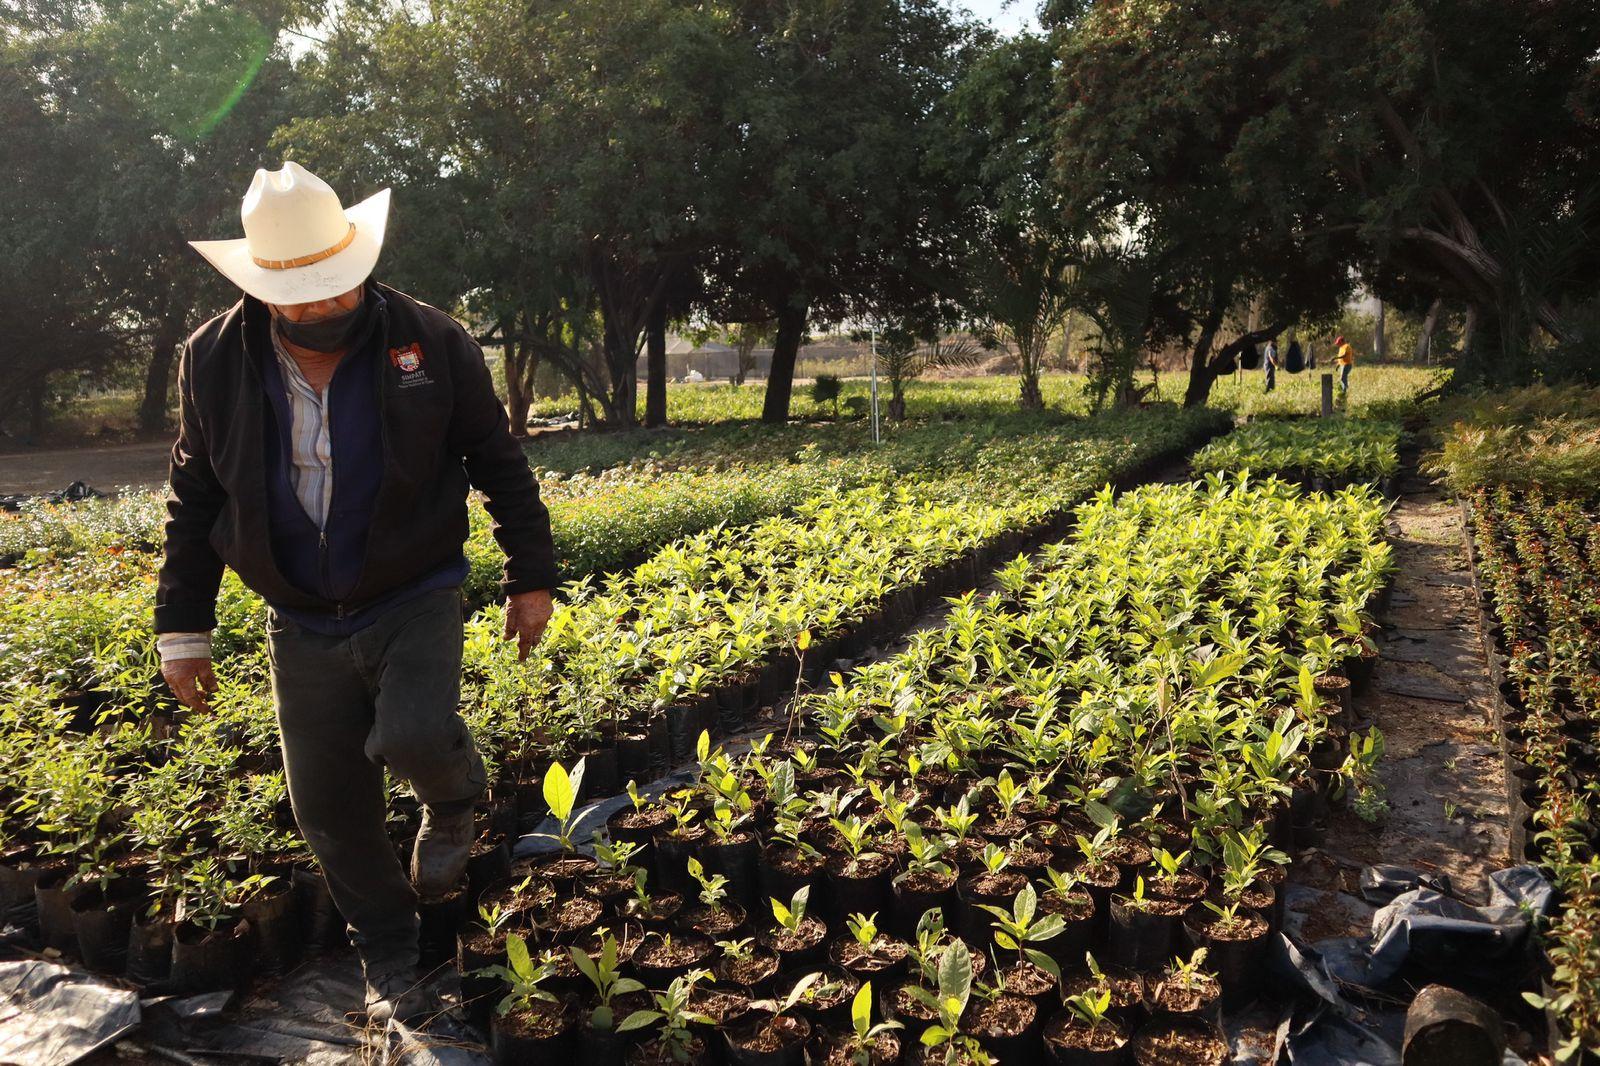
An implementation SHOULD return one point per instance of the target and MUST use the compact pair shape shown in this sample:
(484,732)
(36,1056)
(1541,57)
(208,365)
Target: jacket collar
(256,318)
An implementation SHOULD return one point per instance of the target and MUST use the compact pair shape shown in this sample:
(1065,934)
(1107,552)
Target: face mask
(325,334)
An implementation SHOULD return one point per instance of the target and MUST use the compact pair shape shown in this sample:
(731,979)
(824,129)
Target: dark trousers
(1344,378)
(348,707)
(1272,377)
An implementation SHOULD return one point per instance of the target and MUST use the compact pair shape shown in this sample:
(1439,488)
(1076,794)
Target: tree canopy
(573,176)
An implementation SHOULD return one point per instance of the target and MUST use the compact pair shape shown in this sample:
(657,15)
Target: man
(1345,356)
(1270,364)
(329,430)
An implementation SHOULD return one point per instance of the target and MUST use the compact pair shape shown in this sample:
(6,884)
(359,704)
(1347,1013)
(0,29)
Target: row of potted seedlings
(1033,833)
(1067,947)
(173,858)
(1319,454)
(1537,569)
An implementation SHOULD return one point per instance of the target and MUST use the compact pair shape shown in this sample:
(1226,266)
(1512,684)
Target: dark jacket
(442,429)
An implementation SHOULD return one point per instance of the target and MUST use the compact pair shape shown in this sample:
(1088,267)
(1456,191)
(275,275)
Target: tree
(830,210)
(558,153)
(1316,142)
(1018,251)
(906,351)
(169,104)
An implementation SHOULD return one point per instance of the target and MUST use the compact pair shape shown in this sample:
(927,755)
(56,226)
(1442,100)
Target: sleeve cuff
(183,646)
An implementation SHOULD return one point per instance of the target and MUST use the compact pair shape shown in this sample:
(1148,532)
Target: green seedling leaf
(955,975)
(861,1009)
(559,792)
(639,1019)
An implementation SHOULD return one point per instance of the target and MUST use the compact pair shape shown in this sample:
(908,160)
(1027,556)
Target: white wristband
(183,646)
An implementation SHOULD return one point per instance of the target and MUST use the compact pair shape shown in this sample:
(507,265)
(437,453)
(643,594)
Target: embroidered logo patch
(408,359)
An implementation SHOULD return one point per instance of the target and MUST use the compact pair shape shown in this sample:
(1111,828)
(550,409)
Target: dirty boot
(395,992)
(440,856)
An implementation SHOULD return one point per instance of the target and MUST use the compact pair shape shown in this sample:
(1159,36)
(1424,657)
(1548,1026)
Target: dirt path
(106,469)
(1431,698)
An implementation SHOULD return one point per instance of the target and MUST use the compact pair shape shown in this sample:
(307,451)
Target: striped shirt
(310,440)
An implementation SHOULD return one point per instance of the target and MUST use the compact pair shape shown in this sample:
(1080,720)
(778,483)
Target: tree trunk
(1201,374)
(1380,339)
(620,403)
(746,356)
(517,399)
(36,411)
(1469,329)
(655,394)
(157,377)
(785,350)
(1227,355)
(513,364)
(1430,322)
(1032,397)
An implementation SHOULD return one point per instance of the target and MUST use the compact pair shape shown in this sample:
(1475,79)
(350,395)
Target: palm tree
(903,356)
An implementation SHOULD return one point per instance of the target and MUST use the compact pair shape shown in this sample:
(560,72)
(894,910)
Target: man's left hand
(527,613)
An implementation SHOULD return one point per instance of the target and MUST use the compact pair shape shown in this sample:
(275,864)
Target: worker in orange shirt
(1346,358)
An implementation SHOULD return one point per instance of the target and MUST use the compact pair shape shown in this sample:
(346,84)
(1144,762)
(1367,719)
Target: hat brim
(333,276)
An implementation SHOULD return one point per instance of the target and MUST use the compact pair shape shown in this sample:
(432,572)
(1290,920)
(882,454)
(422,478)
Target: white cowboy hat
(299,244)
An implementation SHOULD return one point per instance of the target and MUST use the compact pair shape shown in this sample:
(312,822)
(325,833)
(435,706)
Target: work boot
(440,856)
(395,992)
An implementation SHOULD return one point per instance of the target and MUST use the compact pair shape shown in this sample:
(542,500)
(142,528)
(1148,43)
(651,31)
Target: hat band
(307,260)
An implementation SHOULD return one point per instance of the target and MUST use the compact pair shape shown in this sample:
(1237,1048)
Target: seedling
(737,951)
(791,915)
(854,834)
(794,996)
(1187,974)
(1023,925)
(1092,1008)
(522,975)
(994,858)
(713,888)
(864,1035)
(1007,793)
(1137,899)
(1062,883)
(616,856)
(922,852)
(957,820)
(636,797)
(864,928)
(950,1002)
(561,794)
(673,1013)
(607,980)
(495,918)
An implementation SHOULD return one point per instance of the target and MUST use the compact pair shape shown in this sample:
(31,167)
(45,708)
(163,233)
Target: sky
(1007,18)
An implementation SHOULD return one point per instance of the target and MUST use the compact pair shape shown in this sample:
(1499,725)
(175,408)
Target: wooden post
(1327,396)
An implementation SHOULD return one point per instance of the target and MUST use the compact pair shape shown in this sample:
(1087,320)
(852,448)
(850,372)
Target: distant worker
(1269,364)
(1346,358)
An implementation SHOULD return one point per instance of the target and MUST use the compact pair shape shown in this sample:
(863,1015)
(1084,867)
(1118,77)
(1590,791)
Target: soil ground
(107,469)
(1441,771)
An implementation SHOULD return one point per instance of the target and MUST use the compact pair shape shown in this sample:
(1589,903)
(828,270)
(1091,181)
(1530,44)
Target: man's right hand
(191,680)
